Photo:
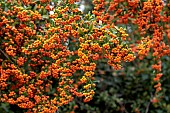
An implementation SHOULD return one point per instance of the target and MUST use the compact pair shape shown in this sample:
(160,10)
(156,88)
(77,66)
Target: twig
(147,107)
(5,55)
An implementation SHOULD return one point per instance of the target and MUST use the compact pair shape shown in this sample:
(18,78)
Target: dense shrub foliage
(52,56)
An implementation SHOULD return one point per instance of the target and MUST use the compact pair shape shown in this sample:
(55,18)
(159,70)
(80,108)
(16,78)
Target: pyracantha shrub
(49,50)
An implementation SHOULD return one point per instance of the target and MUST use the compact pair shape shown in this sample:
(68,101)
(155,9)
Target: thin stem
(147,107)
(5,55)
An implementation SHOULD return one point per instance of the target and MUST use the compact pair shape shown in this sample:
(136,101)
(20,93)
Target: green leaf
(91,27)
(80,31)
(3,64)
(45,17)
(168,107)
